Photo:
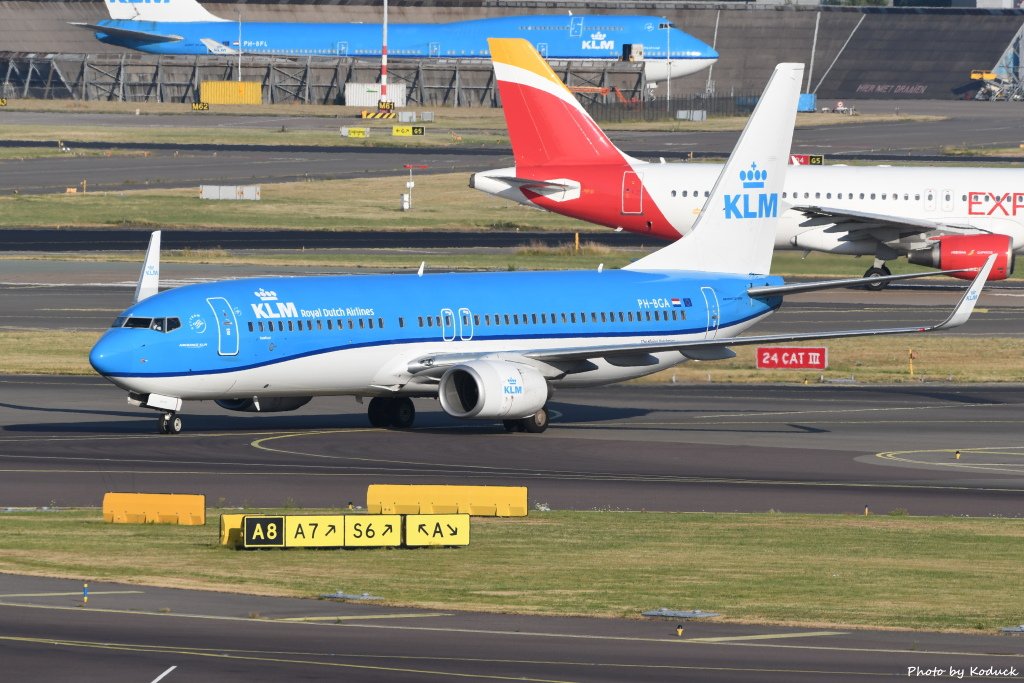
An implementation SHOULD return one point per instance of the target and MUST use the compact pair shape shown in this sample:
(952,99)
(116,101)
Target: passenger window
(309,325)
(673,193)
(515,318)
(401,321)
(533,317)
(250,327)
(648,315)
(565,318)
(602,317)
(674,316)
(572,316)
(351,324)
(330,324)
(260,324)
(362,323)
(593,316)
(476,319)
(828,195)
(430,321)
(629,315)
(621,317)
(319,325)
(862,195)
(437,319)
(369,322)
(487,319)
(447,320)
(507,319)
(290,328)
(817,195)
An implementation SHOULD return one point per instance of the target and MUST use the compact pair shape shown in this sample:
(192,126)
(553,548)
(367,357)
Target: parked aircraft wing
(128,34)
(854,221)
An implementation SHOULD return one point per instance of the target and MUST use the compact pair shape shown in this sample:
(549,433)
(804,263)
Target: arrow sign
(330,530)
(437,530)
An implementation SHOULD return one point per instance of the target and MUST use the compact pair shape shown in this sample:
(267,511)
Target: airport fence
(690,108)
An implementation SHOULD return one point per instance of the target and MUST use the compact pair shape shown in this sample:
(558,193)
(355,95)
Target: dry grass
(879,571)
(46,352)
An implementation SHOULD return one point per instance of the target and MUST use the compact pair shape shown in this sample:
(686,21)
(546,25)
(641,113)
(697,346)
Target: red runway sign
(792,357)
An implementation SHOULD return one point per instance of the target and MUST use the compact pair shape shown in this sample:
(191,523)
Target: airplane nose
(113,353)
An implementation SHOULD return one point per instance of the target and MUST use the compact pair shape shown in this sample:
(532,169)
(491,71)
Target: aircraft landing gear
(877,270)
(394,413)
(535,424)
(170,423)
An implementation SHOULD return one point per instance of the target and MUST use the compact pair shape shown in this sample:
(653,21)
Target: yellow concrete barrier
(155,508)
(231,92)
(231,530)
(480,501)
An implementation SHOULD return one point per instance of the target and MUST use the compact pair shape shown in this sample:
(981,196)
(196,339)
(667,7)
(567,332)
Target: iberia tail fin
(735,232)
(546,123)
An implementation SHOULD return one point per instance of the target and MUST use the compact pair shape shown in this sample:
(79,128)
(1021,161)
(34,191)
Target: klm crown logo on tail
(749,204)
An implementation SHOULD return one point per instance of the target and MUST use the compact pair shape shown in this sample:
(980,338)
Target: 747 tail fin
(168,10)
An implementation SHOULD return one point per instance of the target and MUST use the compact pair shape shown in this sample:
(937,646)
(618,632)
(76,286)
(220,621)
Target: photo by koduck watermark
(961,673)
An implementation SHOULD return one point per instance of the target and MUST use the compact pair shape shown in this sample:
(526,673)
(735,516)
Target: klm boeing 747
(184,27)
(489,346)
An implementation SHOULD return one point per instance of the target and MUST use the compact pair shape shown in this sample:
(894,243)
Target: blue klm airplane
(184,27)
(490,346)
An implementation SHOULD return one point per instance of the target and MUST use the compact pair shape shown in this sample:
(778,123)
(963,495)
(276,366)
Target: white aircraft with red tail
(943,217)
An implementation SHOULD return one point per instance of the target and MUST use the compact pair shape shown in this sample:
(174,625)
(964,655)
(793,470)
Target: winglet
(149,277)
(963,310)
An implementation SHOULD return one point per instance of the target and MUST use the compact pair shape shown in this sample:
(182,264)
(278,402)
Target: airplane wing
(129,34)
(563,361)
(863,221)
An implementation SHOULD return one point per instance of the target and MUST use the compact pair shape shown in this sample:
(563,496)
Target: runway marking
(230,654)
(163,675)
(768,636)
(57,595)
(503,633)
(351,617)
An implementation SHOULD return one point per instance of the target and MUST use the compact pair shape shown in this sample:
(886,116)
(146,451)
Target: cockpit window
(156,324)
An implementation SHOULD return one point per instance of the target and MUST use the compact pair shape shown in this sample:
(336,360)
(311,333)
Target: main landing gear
(394,413)
(535,424)
(879,269)
(170,423)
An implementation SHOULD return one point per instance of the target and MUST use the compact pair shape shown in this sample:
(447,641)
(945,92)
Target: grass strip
(889,571)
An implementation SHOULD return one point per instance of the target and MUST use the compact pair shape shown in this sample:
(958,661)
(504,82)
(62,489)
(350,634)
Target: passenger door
(227,326)
(711,301)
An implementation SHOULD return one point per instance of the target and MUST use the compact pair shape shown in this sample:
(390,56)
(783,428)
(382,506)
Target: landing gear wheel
(377,411)
(511,425)
(170,424)
(402,413)
(536,423)
(885,269)
(876,272)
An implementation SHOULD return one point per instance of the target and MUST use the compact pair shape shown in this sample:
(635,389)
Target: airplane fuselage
(664,200)
(560,37)
(363,335)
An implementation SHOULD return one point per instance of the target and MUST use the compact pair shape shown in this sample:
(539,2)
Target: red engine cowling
(967,251)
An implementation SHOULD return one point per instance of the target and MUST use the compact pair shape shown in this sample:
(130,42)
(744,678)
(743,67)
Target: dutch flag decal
(676,302)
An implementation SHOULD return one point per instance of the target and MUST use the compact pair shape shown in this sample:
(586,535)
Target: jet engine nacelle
(492,389)
(967,251)
(273,404)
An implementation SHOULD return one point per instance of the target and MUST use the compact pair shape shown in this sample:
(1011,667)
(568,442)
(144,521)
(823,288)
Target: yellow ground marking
(768,636)
(1005,468)
(451,630)
(354,617)
(57,595)
(228,654)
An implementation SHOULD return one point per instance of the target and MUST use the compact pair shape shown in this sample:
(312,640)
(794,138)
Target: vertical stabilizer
(168,10)
(546,123)
(149,277)
(735,232)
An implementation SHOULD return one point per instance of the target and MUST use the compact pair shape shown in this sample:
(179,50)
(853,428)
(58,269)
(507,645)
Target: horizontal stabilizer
(130,34)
